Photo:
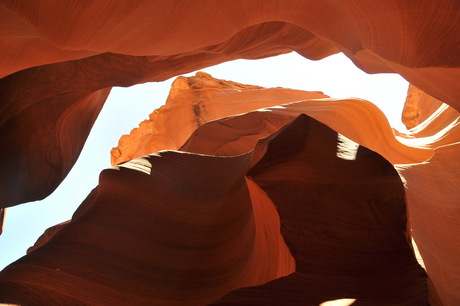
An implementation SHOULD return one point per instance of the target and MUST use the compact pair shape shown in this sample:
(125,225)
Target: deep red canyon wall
(412,153)
(200,226)
(59,61)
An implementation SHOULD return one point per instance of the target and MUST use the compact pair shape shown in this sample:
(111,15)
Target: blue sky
(336,76)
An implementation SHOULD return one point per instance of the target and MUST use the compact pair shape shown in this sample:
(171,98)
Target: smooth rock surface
(418,107)
(200,226)
(194,101)
(130,43)
(60,59)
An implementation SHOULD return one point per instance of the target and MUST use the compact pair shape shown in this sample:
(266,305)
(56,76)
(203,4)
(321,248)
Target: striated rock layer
(381,37)
(145,235)
(410,152)
(193,102)
(199,226)
(196,105)
(70,52)
(418,107)
(268,199)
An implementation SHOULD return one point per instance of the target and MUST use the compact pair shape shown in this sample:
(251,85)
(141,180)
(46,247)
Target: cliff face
(267,191)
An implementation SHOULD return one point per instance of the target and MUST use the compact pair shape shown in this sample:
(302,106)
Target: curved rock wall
(418,107)
(193,102)
(200,226)
(129,43)
(59,61)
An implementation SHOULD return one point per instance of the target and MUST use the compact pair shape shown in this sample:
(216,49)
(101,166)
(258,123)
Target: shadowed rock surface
(131,43)
(201,226)
(59,61)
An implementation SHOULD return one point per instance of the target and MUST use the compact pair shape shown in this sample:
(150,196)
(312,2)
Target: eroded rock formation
(410,153)
(193,102)
(92,47)
(206,225)
(418,107)
(59,61)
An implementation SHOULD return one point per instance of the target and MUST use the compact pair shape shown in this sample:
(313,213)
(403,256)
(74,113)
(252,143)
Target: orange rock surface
(235,142)
(187,228)
(201,226)
(194,106)
(418,107)
(378,37)
(93,46)
(409,152)
(193,102)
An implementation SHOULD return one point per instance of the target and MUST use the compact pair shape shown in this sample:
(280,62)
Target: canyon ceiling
(233,193)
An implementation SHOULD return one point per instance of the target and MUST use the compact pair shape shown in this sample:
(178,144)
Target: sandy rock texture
(314,224)
(194,101)
(105,45)
(410,152)
(263,188)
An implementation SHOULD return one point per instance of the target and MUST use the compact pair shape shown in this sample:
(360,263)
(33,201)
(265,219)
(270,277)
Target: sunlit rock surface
(59,61)
(418,107)
(238,135)
(268,109)
(299,178)
(194,101)
(76,51)
(294,212)
(2,217)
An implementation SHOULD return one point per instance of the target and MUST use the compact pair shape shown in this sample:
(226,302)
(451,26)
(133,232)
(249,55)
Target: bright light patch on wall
(346,148)
(339,302)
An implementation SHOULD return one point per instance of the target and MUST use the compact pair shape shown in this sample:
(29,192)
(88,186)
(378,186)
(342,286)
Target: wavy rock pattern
(293,174)
(193,102)
(107,45)
(197,107)
(59,61)
(418,107)
(202,226)
(432,190)
(238,134)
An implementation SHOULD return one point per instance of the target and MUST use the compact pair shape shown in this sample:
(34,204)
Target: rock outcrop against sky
(276,189)
(193,102)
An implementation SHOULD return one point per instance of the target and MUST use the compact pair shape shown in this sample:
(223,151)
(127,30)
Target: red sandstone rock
(431,185)
(47,114)
(200,226)
(223,137)
(239,134)
(325,232)
(418,107)
(379,37)
(128,43)
(59,61)
(432,190)
(193,102)
(47,235)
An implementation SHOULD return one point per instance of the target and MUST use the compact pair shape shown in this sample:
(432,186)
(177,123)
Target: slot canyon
(229,193)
